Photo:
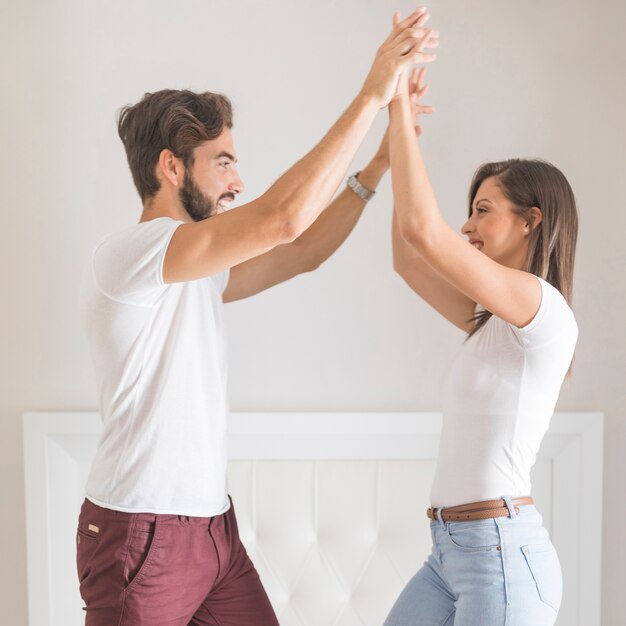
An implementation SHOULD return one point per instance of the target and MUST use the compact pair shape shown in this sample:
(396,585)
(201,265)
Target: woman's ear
(536,216)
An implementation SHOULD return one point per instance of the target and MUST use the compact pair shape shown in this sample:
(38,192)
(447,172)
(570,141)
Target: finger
(417,56)
(425,109)
(433,40)
(413,83)
(410,52)
(397,25)
(418,131)
(406,40)
(416,31)
(416,97)
(405,44)
(422,92)
(426,41)
(420,79)
(409,21)
(428,37)
(400,26)
(422,19)
(422,87)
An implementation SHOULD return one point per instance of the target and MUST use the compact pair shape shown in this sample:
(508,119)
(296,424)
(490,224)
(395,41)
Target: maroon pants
(142,569)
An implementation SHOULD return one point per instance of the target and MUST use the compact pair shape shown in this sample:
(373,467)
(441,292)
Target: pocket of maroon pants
(86,544)
(142,546)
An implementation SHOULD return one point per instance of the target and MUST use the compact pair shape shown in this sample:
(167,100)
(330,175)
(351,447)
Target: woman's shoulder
(554,319)
(554,299)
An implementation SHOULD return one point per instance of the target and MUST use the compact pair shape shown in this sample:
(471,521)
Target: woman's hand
(416,88)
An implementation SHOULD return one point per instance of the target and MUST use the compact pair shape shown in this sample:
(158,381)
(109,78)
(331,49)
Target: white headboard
(331,508)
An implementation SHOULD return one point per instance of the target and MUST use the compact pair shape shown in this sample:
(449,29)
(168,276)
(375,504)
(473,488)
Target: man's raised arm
(296,199)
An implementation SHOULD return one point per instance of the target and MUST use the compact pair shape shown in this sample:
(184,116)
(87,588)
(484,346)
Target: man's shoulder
(140,231)
(127,264)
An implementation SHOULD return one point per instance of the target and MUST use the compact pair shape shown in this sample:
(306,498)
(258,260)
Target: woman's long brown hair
(552,246)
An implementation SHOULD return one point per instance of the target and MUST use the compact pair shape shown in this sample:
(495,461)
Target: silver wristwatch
(360,190)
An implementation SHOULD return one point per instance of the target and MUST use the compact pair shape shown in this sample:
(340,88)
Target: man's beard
(197,205)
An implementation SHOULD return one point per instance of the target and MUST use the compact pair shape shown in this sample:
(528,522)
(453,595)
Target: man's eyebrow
(228,155)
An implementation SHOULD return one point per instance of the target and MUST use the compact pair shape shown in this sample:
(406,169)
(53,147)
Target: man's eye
(225,164)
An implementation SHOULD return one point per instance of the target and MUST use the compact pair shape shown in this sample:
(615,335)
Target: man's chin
(197,218)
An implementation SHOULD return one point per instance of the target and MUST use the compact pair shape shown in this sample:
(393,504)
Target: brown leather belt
(478,510)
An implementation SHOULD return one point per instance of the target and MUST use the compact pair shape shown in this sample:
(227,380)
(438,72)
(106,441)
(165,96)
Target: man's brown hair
(177,120)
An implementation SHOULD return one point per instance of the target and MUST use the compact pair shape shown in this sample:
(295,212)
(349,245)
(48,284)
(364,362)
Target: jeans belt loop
(509,505)
(440,516)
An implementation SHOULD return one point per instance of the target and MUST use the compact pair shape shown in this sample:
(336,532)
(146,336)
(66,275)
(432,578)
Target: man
(157,534)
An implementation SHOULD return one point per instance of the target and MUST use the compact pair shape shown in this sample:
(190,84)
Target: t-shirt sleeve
(552,320)
(128,266)
(224,278)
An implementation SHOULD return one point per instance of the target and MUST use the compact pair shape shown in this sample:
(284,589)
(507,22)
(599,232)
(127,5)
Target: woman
(508,285)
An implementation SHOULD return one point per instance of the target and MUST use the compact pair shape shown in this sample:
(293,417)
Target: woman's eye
(481,210)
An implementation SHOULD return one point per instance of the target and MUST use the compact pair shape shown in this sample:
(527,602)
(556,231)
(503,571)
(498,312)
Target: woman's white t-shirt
(499,398)
(160,360)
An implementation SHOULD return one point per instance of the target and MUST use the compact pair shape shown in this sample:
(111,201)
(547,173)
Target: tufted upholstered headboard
(330,507)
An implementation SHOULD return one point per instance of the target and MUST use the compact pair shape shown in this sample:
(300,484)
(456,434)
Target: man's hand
(403,47)
(432,42)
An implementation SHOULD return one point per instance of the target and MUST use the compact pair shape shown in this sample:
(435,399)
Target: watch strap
(360,190)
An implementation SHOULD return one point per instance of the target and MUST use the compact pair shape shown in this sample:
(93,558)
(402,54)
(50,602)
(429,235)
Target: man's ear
(170,167)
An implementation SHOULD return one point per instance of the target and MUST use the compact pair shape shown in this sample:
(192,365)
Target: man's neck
(164,205)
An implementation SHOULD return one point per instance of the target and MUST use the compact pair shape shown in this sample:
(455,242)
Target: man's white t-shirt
(159,353)
(499,398)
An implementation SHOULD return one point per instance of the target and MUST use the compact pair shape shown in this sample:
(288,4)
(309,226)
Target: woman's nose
(467,227)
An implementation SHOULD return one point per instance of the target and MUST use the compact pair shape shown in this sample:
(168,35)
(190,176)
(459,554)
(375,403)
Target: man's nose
(236,185)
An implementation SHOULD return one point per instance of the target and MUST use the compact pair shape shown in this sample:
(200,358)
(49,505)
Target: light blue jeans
(494,572)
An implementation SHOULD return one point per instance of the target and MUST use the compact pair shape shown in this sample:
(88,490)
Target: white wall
(512,79)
